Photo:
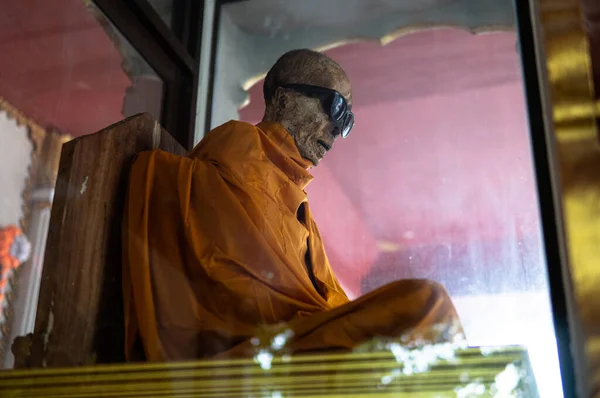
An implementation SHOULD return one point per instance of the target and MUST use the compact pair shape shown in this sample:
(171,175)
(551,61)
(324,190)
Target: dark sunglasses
(334,104)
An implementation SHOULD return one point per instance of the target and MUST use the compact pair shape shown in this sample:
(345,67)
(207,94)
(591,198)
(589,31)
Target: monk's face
(309,123)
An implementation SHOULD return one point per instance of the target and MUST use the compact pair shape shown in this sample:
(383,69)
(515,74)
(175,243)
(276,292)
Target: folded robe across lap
(219,244)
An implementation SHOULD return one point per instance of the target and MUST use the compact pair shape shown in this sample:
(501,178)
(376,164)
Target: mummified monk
(222,242)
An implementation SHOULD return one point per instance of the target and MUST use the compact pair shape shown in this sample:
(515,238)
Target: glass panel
(436,179)
(164,8)
(65,72)
(413,264)
(145,88)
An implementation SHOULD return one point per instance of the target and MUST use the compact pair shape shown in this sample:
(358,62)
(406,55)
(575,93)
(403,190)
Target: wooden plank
(80,310)
(472,371)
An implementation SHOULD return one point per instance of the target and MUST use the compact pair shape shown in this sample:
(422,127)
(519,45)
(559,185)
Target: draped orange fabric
(221,243)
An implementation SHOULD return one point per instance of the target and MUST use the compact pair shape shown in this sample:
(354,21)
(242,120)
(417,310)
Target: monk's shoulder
(159,166)
(231,142)
(233,127)
(157,157)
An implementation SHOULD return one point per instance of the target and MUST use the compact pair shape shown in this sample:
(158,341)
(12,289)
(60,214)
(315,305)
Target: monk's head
(310,95)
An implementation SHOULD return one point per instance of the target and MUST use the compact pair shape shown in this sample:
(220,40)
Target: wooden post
(80,310)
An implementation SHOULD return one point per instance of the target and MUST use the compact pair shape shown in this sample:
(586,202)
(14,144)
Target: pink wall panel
(440,167)
(349,240)
(448,180)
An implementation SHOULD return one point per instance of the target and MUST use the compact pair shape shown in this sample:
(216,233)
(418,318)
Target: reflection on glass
(144,90)
(164,8)
(436,180)
(65,72)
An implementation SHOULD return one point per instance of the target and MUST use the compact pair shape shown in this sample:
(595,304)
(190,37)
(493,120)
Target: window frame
(173,53)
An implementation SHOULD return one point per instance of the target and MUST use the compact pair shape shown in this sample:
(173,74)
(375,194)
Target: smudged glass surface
(436,180)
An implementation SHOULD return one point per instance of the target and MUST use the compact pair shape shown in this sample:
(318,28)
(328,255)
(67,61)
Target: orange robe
(222,242)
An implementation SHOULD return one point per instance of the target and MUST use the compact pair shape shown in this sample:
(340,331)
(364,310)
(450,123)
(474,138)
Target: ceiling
(418,65)
(281,17)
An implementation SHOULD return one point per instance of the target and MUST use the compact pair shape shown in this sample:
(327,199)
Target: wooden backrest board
(80,311)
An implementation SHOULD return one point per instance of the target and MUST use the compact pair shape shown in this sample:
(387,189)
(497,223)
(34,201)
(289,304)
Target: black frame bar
(213,59)
(174,54)
(542,143)
(213,64)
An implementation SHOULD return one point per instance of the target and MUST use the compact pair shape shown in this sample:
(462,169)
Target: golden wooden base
(434,371)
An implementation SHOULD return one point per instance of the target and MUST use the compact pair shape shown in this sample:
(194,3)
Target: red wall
(59,67)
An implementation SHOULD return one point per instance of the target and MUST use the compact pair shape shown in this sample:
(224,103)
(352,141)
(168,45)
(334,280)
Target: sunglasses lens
(348,124)
(338,106)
